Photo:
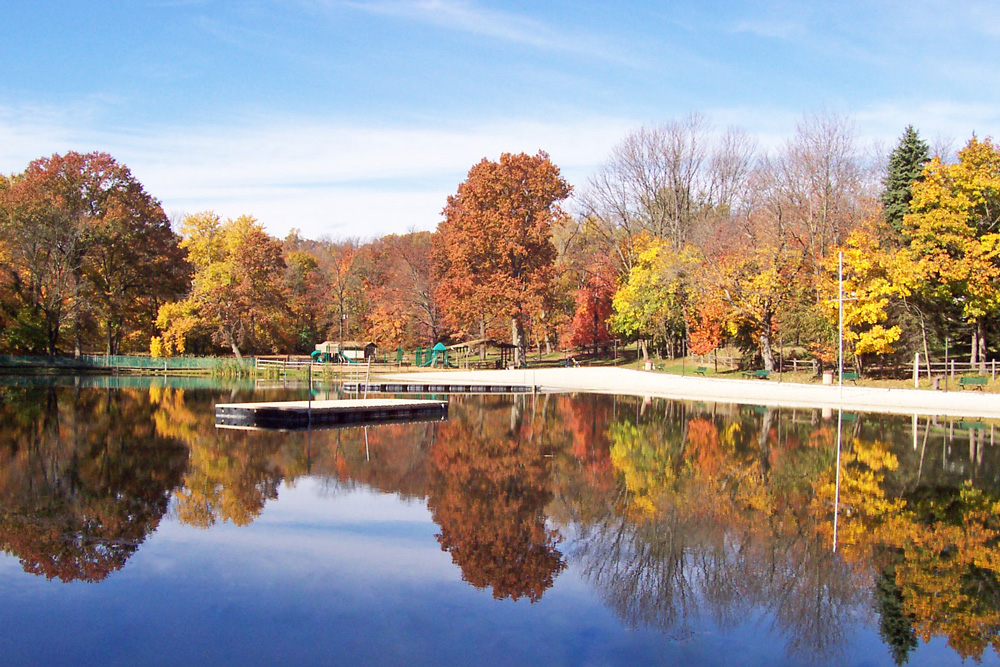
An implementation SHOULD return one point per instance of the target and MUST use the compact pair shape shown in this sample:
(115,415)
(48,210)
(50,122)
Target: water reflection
(488,491)
(680,516)
(84,478)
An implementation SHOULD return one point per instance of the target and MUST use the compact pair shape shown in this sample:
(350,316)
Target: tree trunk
(517,339)
(645,349)
(982,348)
(593,331)
(766,353)
(232,343)
(765,344)
(974,346)
(981,343)
(482,336)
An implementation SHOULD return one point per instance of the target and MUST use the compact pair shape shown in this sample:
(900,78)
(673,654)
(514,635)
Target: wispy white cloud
(467,17)
(474,19)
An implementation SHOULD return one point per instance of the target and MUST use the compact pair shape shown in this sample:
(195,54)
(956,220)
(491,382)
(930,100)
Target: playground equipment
(347,352)
(436,356)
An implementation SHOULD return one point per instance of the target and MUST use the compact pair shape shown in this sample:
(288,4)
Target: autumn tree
(43,253)
(305,285)
(87,241)
(874,283)
(238,288)
(338,261)
(494,252)
(954,232)
(405,311)
(651,304)
(758,270)
(593,300)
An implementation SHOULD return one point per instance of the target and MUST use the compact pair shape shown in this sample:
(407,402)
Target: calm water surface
(556,529)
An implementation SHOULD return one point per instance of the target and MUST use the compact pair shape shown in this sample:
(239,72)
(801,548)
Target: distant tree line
(684,240)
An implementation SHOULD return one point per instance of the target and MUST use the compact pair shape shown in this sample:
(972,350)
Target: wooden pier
(295,415)
(435,388)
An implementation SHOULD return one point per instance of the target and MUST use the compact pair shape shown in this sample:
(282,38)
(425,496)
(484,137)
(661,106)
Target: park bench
(701,370)
(850,375)
(972,382)
(761,374)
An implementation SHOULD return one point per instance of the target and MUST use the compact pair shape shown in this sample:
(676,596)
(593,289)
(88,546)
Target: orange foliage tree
(494,253)
(88,255)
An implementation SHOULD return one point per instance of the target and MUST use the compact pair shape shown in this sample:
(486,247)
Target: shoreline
(610,380)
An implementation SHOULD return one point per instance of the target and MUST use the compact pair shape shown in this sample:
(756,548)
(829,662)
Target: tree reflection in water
(488,491)
(711,524)
(679,514)
(83,479)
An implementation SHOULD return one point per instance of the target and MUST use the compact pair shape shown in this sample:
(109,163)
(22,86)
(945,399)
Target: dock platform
(295,415)
(436,388)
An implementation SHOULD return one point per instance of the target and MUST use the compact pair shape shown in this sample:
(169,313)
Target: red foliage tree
(593,307)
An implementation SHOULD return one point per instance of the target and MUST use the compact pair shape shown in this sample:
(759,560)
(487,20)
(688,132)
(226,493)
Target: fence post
(916,370)
(952,369)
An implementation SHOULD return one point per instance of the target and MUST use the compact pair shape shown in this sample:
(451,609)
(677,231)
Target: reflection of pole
(836,497)
(367,455)
(309,390)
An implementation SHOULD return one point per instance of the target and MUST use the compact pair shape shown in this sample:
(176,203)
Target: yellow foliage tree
(873,278)
(954,232)
(651,304)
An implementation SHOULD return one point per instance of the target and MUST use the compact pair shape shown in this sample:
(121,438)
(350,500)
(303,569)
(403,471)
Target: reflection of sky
(334,575)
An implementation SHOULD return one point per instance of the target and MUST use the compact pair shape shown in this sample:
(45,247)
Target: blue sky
(356,119)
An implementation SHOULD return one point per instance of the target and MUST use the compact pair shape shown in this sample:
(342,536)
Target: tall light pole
(840,299)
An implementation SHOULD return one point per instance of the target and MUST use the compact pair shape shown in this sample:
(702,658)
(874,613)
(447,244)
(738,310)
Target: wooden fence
(953,368)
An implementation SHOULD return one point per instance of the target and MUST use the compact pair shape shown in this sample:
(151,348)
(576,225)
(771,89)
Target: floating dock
(436,388)
(294,415)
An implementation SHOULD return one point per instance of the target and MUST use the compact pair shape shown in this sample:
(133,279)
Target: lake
(550,529)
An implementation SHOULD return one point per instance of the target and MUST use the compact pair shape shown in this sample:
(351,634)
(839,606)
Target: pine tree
(905,165)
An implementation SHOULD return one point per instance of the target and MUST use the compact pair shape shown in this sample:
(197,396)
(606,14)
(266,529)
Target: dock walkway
(437,388)
(295,415)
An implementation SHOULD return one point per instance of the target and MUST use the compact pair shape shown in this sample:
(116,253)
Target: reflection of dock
(305,414)
(436,388)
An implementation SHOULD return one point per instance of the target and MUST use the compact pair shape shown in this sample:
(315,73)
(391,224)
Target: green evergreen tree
(895,626)
(905,165)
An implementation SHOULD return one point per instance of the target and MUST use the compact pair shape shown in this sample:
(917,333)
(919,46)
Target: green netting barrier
(122,361)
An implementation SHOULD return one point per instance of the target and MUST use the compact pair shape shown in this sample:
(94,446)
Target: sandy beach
(958,402)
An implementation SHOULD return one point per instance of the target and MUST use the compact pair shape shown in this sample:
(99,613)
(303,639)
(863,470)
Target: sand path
(958,403)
